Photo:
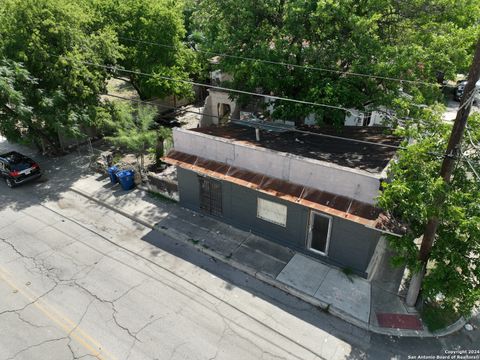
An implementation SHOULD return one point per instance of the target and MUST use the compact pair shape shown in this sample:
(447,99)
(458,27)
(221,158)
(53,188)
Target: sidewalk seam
(325,306)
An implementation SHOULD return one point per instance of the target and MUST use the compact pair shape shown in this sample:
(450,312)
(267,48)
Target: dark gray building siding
(241,211)
(351,245)
(188,189)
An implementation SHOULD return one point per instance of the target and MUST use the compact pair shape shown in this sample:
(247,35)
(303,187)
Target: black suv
(16,168)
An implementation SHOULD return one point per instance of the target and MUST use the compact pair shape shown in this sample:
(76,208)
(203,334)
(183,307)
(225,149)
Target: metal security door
(211,196)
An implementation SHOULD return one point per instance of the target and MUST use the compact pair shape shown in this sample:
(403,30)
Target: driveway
(452,109)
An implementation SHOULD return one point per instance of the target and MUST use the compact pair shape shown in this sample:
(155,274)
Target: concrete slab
(348,294)
(220,244)
(270,248)
(9,216)
(257,260)
(185,227)
(383,301)
(211,225)
(48,218)
(304,274)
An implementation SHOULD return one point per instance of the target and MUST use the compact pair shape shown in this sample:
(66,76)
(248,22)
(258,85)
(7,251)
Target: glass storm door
(319,232)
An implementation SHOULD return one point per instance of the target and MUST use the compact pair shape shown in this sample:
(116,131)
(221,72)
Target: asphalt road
(81,281)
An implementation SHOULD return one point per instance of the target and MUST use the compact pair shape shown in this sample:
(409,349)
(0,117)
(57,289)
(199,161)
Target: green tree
(140,24)
(47,43)
(411,40)
(454,266)
(16,84)
(135,129)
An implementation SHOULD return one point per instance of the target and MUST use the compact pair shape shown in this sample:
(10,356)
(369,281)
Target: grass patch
(195,242)
(436,317)
(160,197)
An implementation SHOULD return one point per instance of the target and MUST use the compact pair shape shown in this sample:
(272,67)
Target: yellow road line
(62,321)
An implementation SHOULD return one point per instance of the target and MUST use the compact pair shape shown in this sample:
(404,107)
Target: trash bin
(126,179)
(112,173)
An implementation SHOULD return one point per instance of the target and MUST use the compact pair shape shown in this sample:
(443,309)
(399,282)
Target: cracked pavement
(73,294)
(78,281)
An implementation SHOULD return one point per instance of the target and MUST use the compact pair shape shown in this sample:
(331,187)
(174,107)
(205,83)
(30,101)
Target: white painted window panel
(272,212)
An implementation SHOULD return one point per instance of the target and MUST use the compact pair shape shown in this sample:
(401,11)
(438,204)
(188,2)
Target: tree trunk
(136,86)
(159,151)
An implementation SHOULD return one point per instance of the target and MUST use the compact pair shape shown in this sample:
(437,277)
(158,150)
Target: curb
(138,219)
(324,306)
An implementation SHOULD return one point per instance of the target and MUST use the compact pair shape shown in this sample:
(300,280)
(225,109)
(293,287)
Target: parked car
(459,89)
(16,168)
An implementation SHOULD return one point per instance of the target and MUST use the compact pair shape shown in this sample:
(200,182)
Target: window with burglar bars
(210,196)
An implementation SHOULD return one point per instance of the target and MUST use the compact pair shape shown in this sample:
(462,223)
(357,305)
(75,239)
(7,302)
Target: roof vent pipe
(257,134)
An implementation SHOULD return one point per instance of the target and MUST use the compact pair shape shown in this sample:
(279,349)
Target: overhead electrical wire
(471,167)
(114,68)
(371,143)
(285,64)
(470,99)
(270,125)
(476,147)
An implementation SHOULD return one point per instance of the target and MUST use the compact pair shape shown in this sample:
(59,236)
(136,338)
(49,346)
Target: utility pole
(451,155)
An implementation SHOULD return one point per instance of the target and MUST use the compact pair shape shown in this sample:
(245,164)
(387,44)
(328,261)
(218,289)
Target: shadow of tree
(58,175)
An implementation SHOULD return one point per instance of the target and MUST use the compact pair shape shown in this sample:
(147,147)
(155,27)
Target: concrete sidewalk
(348,297)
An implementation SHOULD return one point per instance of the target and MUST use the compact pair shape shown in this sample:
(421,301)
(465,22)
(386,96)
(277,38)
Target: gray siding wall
(351,245)
(188,189)
(241,210)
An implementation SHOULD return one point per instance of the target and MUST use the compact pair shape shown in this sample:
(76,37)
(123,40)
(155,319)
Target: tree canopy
(50,83)
(47,44)
(408,40)
(454,267)
(134,128)
(152,35)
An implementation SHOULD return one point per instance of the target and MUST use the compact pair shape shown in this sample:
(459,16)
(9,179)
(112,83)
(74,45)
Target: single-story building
(311,190)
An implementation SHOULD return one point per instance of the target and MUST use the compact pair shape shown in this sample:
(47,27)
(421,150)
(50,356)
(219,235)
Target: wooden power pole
(451,155)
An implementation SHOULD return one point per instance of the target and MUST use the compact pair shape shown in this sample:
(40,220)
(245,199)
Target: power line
(114,68)
(476,147)
(470,99)
(315,68)
(397,147)
(270,125)
(472,167)
(372,143)
(155,104)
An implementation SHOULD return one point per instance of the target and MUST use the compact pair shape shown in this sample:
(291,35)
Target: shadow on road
(58,175)
(237,279)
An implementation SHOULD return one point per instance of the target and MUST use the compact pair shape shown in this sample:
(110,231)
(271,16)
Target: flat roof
(368,157)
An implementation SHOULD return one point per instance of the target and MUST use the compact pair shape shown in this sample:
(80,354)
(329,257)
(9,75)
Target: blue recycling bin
(126,179)
(112,173)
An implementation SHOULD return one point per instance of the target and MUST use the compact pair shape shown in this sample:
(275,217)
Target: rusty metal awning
(326,202)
